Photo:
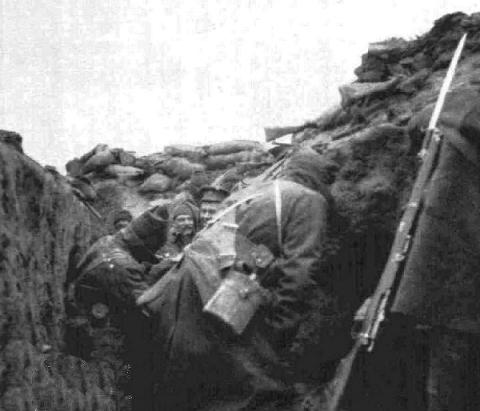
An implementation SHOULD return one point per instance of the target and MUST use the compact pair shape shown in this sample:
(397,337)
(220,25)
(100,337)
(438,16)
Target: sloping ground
(43,231)
(372,163)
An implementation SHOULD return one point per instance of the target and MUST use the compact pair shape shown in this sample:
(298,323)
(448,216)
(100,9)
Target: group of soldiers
(160,271)
(211,295)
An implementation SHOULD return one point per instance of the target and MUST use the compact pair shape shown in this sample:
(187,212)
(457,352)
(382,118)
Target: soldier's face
(184,224)
(207,211)
(121,224)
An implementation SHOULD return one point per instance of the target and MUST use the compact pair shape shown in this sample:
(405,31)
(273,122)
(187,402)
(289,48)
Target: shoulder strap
(231,207)
(278,211)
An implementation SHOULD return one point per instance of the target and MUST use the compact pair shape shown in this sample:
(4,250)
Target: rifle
(382,298)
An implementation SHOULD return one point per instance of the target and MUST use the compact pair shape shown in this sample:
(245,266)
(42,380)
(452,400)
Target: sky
(142,74)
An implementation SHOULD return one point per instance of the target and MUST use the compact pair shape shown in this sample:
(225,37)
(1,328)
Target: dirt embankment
(43,231)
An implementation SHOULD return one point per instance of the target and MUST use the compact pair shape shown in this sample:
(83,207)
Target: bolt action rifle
(379,303)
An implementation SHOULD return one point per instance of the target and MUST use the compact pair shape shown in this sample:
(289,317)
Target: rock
(234,146)
(157,183)
(12,139)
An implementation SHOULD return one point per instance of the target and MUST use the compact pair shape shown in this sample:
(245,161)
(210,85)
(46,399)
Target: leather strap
(278,211)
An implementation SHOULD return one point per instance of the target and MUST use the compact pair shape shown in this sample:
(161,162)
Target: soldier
(184,225)
(121,219)
(111,275)
(210,203)
(275,230)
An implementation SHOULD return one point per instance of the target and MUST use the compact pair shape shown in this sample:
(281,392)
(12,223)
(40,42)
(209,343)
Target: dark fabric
(111,274)
(116,265)
(297,260)
(150,228)
(308,168)
(109,267)
(203,365)
(441,281)
(454,372)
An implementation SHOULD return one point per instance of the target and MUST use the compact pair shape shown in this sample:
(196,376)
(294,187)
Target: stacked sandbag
(179,170)
(179,167)
(98,161)
(125,158)
(220,161)
(234,146)
(122,172)
(156,183)
(192,153)
(114,163)
(74,167)
(397,78)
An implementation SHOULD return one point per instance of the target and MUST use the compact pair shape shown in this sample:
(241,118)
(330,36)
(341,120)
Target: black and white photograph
(239,205)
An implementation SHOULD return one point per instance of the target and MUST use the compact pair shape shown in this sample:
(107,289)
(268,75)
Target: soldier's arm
(118,282)
(304,234)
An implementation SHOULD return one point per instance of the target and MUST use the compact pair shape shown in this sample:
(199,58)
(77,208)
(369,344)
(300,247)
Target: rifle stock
(273,133)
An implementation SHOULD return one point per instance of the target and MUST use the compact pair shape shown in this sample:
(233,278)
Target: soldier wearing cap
(210,203)
(111,275)
(121,219)
(184,221)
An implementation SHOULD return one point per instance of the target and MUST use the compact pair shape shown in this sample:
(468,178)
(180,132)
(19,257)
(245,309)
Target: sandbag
(125,158)
(83,188)
(234,146)
(123,172)
(157,183)
(221,161)
(97,149)
(151,162)
(355,91)
(179,167)
(74,167)
(190,152)
(98,161)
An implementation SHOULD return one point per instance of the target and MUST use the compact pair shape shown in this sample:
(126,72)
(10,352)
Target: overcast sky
(142,74)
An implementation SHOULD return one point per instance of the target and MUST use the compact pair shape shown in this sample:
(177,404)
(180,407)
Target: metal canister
(236,300)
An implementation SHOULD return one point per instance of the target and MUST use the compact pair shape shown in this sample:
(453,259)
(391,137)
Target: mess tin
(236,300)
